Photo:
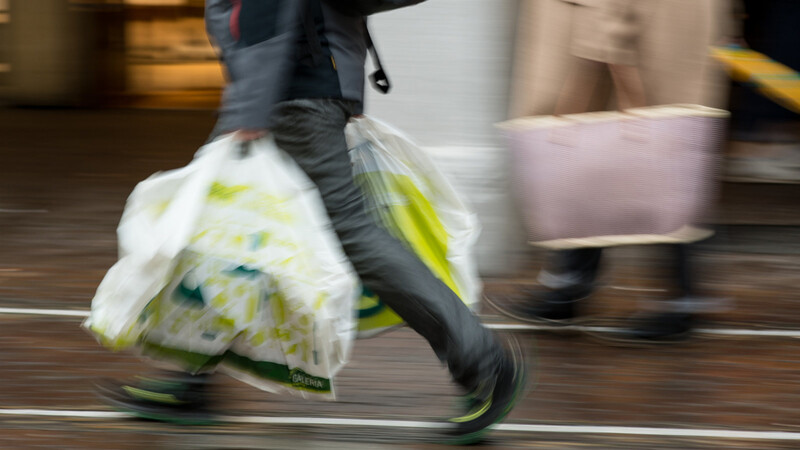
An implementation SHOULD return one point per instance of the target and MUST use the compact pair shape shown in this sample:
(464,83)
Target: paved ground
(63,181)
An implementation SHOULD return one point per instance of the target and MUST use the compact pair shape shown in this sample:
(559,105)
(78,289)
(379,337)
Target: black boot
(653,328)
(543,305)
(663,327)
(557,300)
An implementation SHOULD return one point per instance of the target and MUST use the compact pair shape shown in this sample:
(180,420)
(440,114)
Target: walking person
(652,52)
(296,73)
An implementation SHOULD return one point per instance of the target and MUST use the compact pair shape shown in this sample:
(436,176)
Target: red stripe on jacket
(234,24)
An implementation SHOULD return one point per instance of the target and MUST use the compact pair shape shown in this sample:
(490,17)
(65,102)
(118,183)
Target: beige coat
(667,40)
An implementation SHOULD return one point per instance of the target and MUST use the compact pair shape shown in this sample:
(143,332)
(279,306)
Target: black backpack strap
(379,79)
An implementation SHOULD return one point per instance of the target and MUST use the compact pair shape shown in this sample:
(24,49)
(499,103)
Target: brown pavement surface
(64,178)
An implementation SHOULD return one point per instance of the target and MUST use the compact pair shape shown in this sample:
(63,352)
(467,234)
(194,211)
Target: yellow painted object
(773,79)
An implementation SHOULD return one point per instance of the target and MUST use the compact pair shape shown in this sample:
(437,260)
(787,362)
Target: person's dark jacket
(265,47)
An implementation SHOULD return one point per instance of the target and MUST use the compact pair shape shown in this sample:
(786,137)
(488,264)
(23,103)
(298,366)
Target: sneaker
(177,398)
(487,409)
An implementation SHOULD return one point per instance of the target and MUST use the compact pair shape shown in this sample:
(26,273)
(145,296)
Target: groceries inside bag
(231,264)
(407,195)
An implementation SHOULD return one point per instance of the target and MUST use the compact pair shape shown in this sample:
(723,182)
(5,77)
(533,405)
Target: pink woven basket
(646,175)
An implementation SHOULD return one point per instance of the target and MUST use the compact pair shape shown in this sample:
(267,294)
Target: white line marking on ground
(332,421)
(45,312)
(493,326)
(63,413)
(742,332)
(646,431)
(636,289)
(515,427)
(715,331)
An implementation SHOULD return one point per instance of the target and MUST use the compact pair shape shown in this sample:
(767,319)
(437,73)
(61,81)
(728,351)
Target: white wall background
(450,65)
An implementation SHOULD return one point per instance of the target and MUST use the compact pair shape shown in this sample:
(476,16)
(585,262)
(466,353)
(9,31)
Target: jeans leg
(312,132)
(682,269)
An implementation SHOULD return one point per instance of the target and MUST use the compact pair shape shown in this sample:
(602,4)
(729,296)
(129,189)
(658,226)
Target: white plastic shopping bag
(412,199)
(231,263)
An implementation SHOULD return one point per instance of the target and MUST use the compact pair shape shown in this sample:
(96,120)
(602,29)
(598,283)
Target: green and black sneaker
(482,414)
(176,398)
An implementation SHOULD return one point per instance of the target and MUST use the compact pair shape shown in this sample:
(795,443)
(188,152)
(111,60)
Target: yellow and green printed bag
(412,199)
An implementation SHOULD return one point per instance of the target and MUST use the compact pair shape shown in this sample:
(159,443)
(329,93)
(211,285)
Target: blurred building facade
(60,52)
(5,19)
(97,52)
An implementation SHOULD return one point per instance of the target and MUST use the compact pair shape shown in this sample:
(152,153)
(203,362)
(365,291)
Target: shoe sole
(620,340)
(631,342)
(562,326)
